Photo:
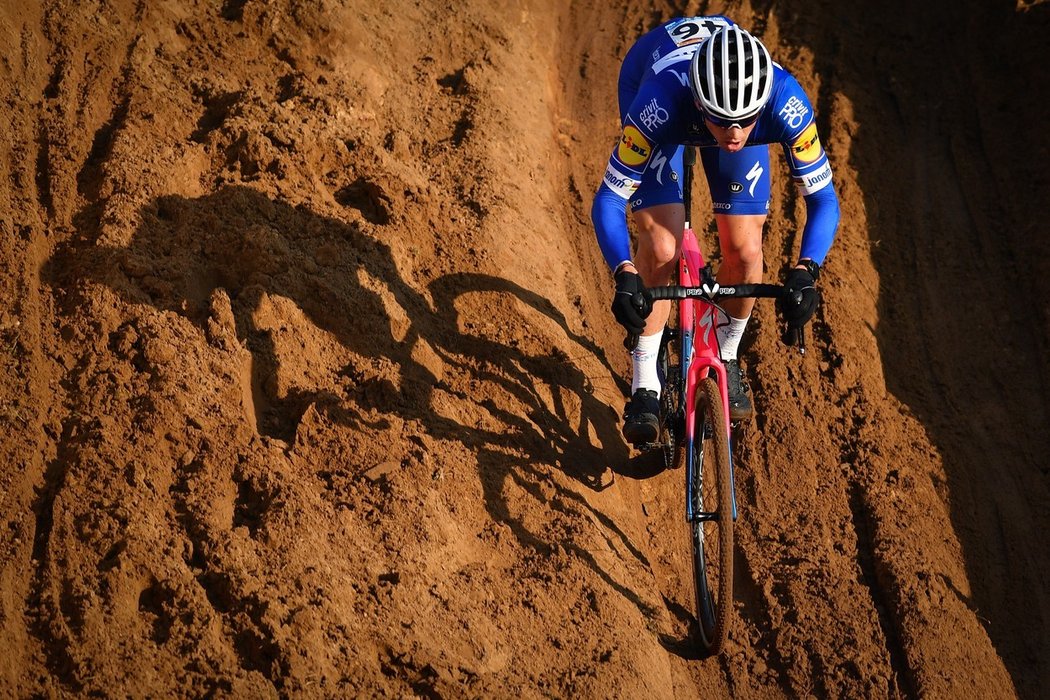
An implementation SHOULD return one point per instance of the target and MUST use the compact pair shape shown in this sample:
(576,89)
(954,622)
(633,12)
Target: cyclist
(704,81)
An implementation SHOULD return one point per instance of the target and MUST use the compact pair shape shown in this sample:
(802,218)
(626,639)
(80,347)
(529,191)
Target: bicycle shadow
(518,372)
(253,249)
(642,465)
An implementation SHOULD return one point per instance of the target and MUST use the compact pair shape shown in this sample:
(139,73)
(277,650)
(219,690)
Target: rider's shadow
(259,253)
(254,250)
(272,270)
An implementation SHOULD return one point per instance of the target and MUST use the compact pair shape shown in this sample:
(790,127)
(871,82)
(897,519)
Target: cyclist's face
(730,138)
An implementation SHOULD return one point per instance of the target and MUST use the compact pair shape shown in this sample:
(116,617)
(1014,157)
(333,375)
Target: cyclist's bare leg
(659,230)
(659,245)
(740,238)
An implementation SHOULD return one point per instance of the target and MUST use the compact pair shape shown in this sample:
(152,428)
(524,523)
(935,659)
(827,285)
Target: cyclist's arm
(644,127)
(609,215)
(796,130)
(811,171)
(822,221)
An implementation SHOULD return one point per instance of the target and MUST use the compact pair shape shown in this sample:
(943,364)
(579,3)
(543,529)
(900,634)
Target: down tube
(689,407)
(686,326)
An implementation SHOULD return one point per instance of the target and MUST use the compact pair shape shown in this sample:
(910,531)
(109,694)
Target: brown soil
(309,384)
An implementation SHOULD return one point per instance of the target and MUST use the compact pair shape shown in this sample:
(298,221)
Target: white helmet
(731,76)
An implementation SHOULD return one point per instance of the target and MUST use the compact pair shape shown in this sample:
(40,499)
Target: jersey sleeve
(642,129)
(810,169)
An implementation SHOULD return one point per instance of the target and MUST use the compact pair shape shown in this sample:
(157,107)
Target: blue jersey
(658,112)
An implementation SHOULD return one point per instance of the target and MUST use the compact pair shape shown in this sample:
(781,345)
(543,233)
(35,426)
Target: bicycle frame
(697,320)
(699,360)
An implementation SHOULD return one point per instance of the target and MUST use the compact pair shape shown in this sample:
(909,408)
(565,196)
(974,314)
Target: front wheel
(711,495)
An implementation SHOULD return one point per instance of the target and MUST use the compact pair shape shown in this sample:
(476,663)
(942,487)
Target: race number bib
(694,29)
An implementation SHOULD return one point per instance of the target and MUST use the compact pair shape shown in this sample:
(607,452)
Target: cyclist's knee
(658,248)
(740,238)
(659,234)
(655,261)
(745,254)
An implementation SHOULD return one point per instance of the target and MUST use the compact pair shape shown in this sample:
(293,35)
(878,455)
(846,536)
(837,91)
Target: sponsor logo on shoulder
(653,115)
(633,149)
(793,112)
(806,148)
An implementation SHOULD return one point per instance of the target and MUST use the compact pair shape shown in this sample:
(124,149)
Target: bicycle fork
(695,370)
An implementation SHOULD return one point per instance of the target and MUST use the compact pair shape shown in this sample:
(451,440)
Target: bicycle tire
(672,423)
(712,530)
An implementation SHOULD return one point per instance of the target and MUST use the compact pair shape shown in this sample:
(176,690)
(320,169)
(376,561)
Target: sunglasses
(730,123)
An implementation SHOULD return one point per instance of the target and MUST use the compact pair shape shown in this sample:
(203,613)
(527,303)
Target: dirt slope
(309,385)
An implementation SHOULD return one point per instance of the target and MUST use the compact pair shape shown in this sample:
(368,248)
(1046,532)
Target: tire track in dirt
(56,614)
(923,240)
(24,382)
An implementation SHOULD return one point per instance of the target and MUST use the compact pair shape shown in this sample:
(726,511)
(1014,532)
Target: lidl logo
(807,146)
(634,149)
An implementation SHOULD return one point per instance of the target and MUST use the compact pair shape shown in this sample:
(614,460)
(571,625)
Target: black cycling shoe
(739,402)
(641,418)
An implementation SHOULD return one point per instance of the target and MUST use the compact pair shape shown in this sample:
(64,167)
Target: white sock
(644,360)
(729,335)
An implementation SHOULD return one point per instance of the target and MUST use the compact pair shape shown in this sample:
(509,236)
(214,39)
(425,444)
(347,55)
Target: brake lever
(795,336)
(639,299)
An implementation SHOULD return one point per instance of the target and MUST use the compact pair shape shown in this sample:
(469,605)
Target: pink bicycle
(695,428)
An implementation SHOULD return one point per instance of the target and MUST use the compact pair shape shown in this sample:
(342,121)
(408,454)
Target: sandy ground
(309,385)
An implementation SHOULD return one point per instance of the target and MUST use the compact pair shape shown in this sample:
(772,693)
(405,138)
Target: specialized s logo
(806,147)
(752,176)
(634,149)
(706,323)
(657,163)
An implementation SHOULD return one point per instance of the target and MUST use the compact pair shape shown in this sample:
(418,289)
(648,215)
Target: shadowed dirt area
(309,384)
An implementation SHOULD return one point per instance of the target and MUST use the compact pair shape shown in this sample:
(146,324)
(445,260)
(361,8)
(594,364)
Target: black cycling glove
(629,306)
(800,302)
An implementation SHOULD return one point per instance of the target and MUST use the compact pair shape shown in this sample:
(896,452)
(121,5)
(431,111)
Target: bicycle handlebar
(791,336)
(736,291)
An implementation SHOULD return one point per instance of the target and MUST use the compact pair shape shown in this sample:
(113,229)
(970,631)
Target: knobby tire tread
(717,467)
(670,367)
